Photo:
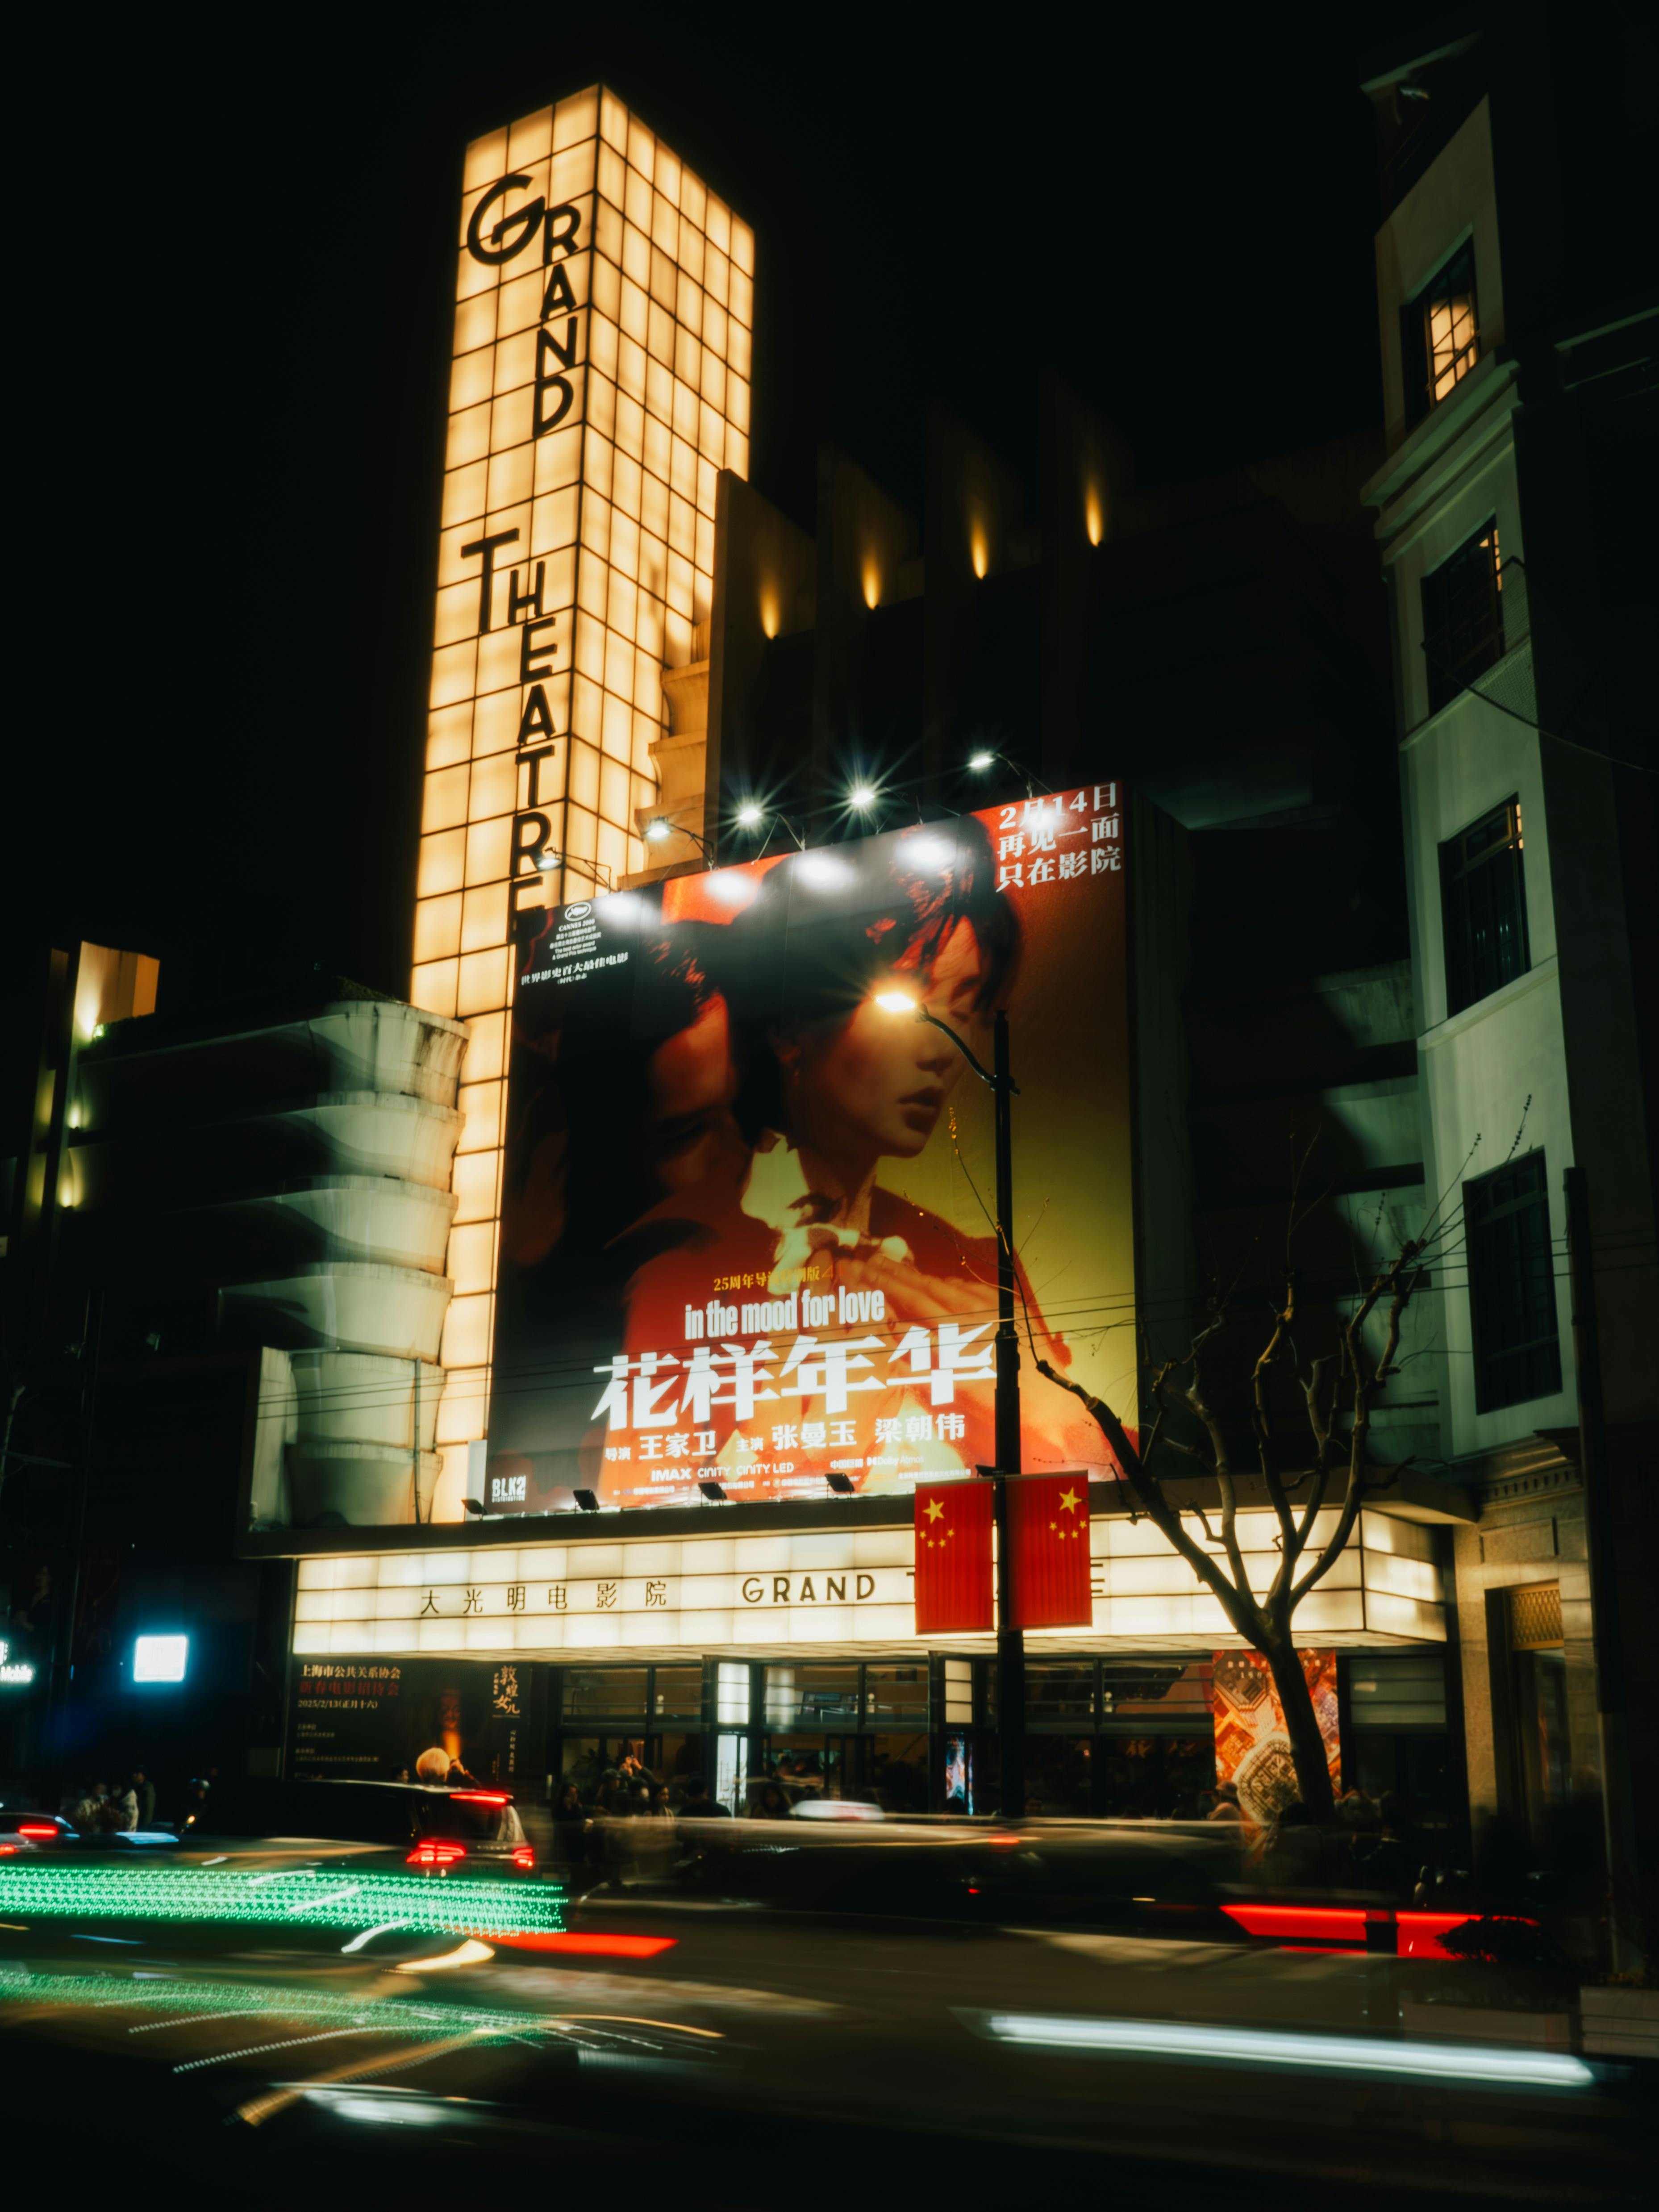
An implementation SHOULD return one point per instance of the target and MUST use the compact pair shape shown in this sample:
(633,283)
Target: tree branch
(1243,1614)
(1397,1285)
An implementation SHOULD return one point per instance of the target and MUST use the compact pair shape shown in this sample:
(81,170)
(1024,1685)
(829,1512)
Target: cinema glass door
(629,1722)
(844,1731)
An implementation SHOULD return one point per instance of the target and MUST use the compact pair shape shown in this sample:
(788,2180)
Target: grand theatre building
(715,1284)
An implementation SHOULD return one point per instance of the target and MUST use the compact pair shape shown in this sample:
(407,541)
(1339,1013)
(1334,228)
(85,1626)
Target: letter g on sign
(513,233)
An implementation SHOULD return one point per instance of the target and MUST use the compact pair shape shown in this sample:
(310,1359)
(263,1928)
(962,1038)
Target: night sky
(241,377)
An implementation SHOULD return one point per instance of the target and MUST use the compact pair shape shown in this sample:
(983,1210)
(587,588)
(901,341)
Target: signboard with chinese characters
(603,300)
(745,1235)
(370,1719)
(846,1590)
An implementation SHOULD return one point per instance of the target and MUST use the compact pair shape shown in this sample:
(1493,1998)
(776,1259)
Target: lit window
(1483,904)
(1463,617)
(1440,334)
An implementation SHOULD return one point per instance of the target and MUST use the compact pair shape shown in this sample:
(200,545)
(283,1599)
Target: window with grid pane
(1483,907)
(1440,334)
(1463,617)
(1517,1353)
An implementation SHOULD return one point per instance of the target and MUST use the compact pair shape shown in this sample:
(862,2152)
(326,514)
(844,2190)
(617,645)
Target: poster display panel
(746,1232)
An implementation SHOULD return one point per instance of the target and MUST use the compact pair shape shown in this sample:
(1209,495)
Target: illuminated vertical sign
(600,382)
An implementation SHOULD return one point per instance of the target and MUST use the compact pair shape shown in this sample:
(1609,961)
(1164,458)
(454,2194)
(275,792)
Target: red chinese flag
(954,1592)
(1048,1539)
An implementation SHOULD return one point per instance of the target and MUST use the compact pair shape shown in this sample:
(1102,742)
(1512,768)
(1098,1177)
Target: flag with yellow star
(955,1591)
(1048,1547)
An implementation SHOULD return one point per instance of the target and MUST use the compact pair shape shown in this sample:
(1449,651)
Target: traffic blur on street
(738,2012)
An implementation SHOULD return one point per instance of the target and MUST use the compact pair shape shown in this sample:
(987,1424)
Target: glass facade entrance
(1120,1737)
(1105,1738)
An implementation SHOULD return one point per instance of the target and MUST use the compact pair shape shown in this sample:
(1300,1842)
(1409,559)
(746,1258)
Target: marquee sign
(603,300)
(825,1588)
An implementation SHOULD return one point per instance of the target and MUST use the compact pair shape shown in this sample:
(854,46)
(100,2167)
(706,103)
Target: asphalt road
(697,2051)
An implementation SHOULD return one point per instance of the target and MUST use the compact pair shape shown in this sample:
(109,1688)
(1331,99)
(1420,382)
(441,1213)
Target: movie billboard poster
(746,1227)
(1252,1746)
(374,1720)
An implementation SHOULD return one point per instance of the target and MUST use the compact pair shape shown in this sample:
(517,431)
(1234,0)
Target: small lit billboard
(747,1234)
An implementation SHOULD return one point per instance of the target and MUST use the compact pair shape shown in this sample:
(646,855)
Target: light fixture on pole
(751,814)
(986,758)
(1011,1642)
(596,871)
(658,830)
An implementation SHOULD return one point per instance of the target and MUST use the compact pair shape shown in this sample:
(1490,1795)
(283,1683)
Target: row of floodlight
(588,1501)
(861,798)
(751,815)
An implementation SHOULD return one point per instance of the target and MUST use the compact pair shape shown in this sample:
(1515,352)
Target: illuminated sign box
(159,1658)
(836,1588)
(604,302)
(744,1237)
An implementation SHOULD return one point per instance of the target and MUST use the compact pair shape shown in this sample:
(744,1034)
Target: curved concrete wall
(339,1307)
(366,1485)
(364,1397)
(136,1076)
(381,1218)
(293,1177)
(375,1132)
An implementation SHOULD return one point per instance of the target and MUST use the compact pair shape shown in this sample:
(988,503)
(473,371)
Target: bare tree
(1338,1391)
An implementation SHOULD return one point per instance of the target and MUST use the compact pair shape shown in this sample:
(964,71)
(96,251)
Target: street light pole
(1011,1641)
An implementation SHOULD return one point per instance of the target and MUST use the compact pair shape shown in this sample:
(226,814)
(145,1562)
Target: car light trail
(593,1946)
(1347,2054)
(368,1936)
(470,1953)
(59,1891)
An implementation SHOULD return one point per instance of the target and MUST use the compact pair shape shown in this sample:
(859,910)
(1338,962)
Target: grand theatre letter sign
(599,383)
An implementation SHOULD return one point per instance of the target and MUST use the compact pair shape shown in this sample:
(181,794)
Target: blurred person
(1292,1854)
(193,1812)
(87,1814)
(124,1808)
(698,1805)
(1226,1806)
(612,1801)
(1391,1859)
(144,1790)
(438,1766)
(1357,1810)
(773,1804)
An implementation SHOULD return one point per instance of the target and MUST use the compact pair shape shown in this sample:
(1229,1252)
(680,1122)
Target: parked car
(21,1832)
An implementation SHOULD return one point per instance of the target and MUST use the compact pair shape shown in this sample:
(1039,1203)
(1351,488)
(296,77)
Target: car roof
(404,1788)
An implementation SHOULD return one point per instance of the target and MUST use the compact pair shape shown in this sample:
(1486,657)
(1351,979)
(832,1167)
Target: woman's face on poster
(878,1081)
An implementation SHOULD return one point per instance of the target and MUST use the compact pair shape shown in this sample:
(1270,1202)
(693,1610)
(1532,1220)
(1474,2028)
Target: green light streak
(298,1896)
(196,2003)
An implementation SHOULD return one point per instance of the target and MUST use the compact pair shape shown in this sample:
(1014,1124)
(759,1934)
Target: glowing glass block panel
(597,279)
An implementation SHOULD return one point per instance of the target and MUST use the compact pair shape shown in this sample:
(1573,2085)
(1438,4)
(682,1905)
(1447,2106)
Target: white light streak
(1347,2054)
